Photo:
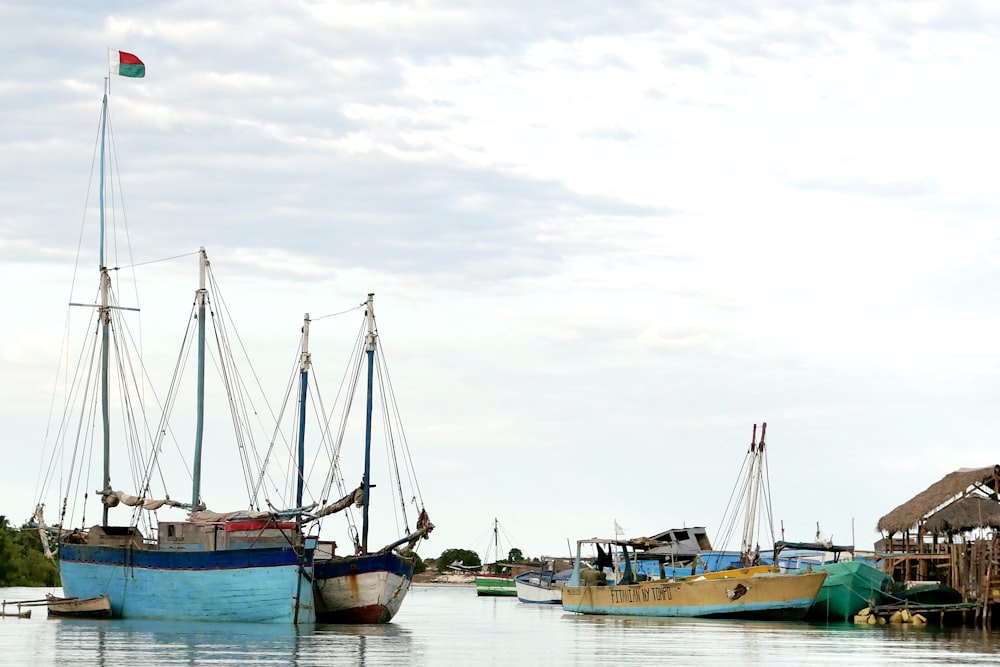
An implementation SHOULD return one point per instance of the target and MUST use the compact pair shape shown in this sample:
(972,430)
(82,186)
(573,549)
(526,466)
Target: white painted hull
(362,596)
(346,594)
(532,594)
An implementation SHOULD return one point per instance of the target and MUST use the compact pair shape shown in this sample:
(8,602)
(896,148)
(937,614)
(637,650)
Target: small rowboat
(98,607)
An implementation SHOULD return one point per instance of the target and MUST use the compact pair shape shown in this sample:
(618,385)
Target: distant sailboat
(495,580)
(249,565)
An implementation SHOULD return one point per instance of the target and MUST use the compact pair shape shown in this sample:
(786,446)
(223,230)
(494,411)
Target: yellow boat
(753,593)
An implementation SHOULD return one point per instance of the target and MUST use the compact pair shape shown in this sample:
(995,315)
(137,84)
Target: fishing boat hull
(492,585)
(361,589)
(261,585)
(536,587)
(926,592)
(761,597)
(850,586)
(98,607)
(534,594)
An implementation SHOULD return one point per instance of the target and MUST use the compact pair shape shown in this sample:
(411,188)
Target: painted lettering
(627,595)
(662,593)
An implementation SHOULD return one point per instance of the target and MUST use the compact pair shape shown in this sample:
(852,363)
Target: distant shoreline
(435,579)
(445,584)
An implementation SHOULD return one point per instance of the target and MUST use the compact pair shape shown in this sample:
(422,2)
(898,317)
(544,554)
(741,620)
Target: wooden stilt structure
(948,534)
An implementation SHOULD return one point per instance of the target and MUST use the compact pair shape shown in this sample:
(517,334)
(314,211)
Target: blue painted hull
(530,601)
(265,585)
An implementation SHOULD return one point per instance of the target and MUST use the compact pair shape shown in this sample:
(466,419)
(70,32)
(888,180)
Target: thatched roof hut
(943,494)
(964,515)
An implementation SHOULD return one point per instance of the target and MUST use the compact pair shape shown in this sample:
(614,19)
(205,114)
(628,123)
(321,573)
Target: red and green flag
(129,65)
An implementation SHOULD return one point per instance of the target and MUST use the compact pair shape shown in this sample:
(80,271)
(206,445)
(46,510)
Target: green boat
(850,586)
(497,578)
(495,585)
(925,592)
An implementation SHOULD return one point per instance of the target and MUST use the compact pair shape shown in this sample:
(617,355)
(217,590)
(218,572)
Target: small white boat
(542,586)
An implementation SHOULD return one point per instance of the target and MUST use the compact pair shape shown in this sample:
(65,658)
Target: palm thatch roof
(952,487)
(965,514)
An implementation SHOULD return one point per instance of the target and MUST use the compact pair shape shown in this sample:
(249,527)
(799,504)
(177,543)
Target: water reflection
(362,644)
(129,642)
(454,627)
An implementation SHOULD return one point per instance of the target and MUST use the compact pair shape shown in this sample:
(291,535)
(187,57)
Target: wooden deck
(972,568)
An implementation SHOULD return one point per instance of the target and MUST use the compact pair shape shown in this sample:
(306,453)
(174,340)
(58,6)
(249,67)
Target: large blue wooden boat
(251,565)
(267,584)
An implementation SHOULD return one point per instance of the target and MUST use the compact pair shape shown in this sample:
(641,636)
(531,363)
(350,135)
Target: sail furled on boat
(42,531)
(209,516)
(112,498)
(423,530)
(355,497)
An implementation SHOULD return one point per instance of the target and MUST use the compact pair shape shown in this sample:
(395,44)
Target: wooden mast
(370,341)
(305,362)
(200,299)
(104,313)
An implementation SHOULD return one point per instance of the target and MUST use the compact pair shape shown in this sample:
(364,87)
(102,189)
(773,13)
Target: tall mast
(200,297)
(370,342)
(496,545)
(754,483)
(105,313)
(304,365)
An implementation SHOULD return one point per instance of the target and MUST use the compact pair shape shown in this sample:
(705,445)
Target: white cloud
(600,236)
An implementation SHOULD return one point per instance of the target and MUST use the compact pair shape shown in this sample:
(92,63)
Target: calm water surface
(451,626)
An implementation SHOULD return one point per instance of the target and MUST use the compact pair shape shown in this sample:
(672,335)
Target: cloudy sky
(605,238)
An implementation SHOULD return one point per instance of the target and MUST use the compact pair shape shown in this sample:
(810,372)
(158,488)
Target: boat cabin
(681,544)
(226,535)
(195,536)
(108,536)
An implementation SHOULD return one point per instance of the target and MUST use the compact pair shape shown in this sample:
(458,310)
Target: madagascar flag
(129,65)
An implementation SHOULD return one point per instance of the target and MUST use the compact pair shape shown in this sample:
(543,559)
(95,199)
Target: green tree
(461,556)
(22,562)
(515,555)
